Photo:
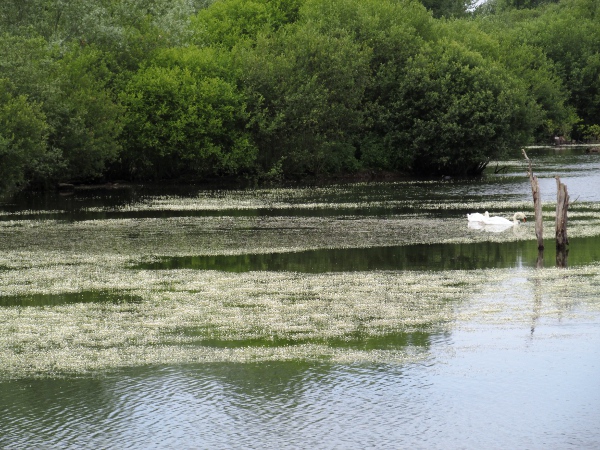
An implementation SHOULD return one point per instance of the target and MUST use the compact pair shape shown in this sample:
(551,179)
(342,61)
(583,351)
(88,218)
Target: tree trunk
(537,205)
(562,240)
(562,205)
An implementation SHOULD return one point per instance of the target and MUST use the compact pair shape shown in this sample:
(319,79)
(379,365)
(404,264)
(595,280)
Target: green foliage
(93,20)
(568,33)
(71,88)
(455,111)
(498,6)
(591,132)
(205,61)
(23,134)
(86,120)
(279,88)
(182,121)
(382,24)
(391,33)
(129,29)
(529,64)
(430,105)
(226,23)
(448,8)
(305,88)
(27,62)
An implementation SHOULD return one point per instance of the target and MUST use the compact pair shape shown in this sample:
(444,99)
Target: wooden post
(537,206)
(562,205)
(562,240)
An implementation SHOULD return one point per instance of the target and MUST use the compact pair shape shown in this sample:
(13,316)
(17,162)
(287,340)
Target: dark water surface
(480,255)
(526,376)
(578,170)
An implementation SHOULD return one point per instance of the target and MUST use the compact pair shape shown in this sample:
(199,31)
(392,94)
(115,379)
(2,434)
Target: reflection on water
(479,255)
(506,389)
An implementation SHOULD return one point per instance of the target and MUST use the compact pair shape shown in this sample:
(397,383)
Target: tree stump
(537,206)
(562,240)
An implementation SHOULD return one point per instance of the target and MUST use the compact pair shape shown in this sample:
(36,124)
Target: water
(348,316)
(467,256)
(542,398)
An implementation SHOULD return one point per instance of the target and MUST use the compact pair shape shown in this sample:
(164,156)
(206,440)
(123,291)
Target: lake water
(363,315)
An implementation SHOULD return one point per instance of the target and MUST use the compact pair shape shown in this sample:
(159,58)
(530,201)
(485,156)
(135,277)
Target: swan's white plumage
(477,217)
(496,224)
(496,220)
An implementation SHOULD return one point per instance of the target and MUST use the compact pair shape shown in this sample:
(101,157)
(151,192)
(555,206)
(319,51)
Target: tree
(568,34)
(448,8)
(528,63)
(182,120)
(71,87)
(305,89)
(497,6)
(23,134)
(86,120)
(226,23)
(455,110)
(389,33)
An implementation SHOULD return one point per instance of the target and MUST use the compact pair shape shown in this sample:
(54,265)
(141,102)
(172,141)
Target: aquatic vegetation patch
(275,198)
(5,215)
(185,316)
(313,317)
(192,236)
(175,315)
(535,296)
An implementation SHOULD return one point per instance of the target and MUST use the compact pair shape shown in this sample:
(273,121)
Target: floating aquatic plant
(189,316)
(77,272)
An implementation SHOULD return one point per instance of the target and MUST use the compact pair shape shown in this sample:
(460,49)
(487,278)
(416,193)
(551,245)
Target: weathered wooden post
(537,208)
(562,240)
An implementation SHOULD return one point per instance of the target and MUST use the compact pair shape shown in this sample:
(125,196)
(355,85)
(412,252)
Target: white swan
(490,228)
(502,221)
(478,217)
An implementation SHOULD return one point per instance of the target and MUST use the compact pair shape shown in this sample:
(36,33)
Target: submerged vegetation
(271,89)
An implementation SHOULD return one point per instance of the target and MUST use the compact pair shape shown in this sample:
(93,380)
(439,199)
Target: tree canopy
(196,89)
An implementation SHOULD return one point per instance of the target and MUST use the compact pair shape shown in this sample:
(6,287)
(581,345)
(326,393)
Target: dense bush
(23,135)
(567,33)
(305,89)
(70,85)
(455,111)
(183,121)
(203,88)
